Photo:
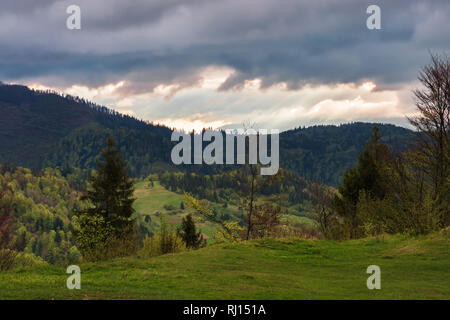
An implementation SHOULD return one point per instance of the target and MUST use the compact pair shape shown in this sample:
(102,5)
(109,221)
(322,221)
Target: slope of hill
(38,210)
(154,201)
(323,153)
(258,269)
(43,129)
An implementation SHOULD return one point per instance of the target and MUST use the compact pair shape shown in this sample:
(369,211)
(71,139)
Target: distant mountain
(44,129)
(324,153)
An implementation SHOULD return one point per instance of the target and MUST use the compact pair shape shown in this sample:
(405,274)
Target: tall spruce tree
(111,192)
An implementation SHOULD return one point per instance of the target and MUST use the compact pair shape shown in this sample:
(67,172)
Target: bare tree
(432,122)
(322,197)
(251,206)
(251,171)
(266,219)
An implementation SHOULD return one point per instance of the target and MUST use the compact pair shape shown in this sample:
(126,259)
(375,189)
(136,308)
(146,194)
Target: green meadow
(156,201)
(411,268)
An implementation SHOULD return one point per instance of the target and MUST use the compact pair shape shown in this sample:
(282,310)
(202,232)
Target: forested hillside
(43,129)
(36,211)
(323,153)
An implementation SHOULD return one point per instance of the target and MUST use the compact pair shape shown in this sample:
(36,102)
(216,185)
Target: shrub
(398,213)
(188,233)
(169,207)
(7,259)
(27,260)
(97,239)
(167,240)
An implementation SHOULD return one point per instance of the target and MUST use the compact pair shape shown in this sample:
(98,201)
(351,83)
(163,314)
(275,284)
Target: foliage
(323,153)
(42,129)
(98,240)
(111,191)
(188,233)
(105,228)
(6,215)
(7,259)
(167,240)
(432,123)
(406,193)
(228,231)
(29,260)
(368,176)
(93,234)
(230,199)
(10,259)
(36,211)
(169,207)
(266,219)
(326,217)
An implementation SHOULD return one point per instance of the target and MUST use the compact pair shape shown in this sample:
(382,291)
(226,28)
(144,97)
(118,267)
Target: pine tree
(189,234)
(111,193)
(368,175)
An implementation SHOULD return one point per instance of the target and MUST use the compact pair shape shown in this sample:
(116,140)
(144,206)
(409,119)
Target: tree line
(407,192)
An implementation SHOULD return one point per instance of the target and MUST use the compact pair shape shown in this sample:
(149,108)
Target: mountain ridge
(41,129)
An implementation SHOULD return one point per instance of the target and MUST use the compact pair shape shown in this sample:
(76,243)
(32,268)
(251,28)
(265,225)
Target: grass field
(151,201)
(411,268)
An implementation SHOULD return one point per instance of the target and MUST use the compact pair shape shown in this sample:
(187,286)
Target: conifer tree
(368,175)
(111,193)
(189,234)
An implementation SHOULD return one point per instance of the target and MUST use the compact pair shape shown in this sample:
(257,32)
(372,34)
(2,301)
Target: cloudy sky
(195,63)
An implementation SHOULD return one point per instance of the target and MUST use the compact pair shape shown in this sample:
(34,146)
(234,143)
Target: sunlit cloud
(202,105)
(190,124)
(100,93)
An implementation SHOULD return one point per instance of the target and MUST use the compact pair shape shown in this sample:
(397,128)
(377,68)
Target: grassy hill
(153,201)
(411,268)
(156,200)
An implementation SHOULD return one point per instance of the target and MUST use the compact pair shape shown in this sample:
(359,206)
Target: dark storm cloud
(165,41)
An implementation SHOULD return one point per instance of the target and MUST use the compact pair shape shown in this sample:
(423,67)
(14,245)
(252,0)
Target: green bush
(188,233)
(10,259)
(28,260)
(169,207)
(97,239)
(167,240)
(7,259)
